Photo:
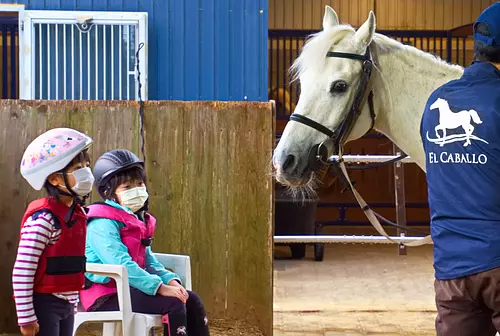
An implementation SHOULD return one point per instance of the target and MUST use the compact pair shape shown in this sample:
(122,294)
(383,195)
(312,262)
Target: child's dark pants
(55,316)
(184,319)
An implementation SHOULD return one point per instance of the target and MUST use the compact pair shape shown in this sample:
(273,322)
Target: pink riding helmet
(51,152)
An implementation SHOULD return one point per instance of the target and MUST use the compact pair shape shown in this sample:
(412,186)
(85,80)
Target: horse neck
(401,88)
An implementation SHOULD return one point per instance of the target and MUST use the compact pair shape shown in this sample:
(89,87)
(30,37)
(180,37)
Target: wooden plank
(447,18)
(476,10)
(297,14)
(401,18)
(252,187)
(307,14)
(354,17)
(430,14)
(288,14)
(271,22)
(419,8)
(279,10)
(412,14)
(318,10)
(466,12)
(343,11)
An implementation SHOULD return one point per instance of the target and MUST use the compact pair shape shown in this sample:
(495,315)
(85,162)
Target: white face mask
(134,198)
(84,181)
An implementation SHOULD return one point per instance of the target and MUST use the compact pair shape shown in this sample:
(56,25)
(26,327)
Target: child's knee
(194,299)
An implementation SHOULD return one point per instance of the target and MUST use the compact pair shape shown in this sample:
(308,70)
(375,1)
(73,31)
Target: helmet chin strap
(77,200)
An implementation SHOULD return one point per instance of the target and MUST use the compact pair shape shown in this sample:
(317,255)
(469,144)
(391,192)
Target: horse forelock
(313,54)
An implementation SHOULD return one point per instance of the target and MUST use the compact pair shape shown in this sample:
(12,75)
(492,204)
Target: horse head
(329,86)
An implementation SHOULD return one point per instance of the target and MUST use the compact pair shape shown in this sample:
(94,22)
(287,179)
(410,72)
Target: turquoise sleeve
(155,267)
(104,245)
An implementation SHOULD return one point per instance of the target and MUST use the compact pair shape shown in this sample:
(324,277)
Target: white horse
(403,79)
(451,120)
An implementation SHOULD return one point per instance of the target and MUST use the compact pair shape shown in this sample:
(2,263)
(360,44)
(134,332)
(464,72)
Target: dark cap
(491,17)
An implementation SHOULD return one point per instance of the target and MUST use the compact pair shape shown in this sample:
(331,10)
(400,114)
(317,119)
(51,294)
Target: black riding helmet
(111,163)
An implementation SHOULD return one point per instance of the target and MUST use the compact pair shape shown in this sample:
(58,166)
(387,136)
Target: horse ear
(330,19)
(365,33)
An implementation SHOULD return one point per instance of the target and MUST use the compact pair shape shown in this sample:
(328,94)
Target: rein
(318,155)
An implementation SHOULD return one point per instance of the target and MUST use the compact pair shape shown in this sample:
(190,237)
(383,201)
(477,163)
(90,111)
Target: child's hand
(176,284)
(172,291)
(30,329)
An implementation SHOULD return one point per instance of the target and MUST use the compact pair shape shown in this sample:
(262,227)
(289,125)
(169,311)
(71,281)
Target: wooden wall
(209,181)
(391,14)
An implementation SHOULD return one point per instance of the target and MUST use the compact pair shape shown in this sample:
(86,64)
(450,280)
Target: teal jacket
(104,246)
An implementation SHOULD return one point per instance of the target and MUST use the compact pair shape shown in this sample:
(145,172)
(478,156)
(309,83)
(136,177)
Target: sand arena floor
(356,290)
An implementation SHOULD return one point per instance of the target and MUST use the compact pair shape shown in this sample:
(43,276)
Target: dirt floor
(356,290)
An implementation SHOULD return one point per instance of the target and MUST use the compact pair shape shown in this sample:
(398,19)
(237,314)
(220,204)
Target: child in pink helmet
(50,264)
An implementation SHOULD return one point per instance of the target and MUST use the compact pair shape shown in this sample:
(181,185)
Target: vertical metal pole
(399,189)
(40,48)
(48,61)
(96,63)
(112,63)
(80,37)
(65,70)
(56,54)
(89,68)
(120,70)
(104,61)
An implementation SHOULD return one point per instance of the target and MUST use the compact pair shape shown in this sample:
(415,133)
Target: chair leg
(76,325)
(111,329)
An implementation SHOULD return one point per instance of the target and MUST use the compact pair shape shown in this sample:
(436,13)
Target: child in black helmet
(120,231)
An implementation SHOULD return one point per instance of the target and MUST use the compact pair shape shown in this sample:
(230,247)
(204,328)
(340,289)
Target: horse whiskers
(303,193)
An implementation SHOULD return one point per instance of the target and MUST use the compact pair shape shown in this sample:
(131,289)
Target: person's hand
(30,329)
(177,284)
(172,291)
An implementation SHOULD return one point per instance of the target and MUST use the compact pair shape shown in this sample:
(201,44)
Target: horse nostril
(289,163)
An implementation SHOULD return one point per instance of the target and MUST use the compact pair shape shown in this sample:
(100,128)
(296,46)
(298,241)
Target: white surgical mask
(84,181)
(134,198)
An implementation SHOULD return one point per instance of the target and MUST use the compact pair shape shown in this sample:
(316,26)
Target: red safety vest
(61,266)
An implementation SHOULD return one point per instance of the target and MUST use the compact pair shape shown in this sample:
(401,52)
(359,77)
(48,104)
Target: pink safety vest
(135,236)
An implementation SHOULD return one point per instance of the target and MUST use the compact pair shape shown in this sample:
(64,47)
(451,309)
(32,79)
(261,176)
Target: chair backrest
(180,264)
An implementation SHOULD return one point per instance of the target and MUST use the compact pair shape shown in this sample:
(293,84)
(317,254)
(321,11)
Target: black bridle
(318,155)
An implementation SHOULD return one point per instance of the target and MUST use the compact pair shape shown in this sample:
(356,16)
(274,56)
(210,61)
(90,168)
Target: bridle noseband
(318,155)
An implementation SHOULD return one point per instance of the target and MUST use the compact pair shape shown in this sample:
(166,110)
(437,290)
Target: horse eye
(338,87)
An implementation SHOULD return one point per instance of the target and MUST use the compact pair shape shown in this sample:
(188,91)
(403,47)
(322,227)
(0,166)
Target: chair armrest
(181,264)
(120,275)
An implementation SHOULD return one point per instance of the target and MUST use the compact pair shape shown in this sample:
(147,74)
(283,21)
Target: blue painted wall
(198,49)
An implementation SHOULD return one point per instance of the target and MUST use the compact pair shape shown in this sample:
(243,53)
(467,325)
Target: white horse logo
(451,120)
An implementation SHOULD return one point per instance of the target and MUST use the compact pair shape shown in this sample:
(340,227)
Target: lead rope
(141,102)
(370,214)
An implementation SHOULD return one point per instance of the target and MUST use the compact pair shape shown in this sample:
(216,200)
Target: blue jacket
(460,131)
(104,246)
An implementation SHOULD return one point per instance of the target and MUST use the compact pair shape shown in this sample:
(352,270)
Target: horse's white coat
(403,79)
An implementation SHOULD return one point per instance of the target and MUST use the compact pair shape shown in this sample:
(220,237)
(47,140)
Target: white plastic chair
(125,322)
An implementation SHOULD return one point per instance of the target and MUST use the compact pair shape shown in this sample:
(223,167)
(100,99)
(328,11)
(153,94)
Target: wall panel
(391,14)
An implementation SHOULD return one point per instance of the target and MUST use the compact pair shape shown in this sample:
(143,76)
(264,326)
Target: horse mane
(313,54)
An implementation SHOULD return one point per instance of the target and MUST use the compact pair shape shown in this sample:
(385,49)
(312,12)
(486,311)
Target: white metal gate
(83,55)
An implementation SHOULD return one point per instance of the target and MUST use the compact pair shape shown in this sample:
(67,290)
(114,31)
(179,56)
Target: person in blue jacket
(460,131)
(120,231)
